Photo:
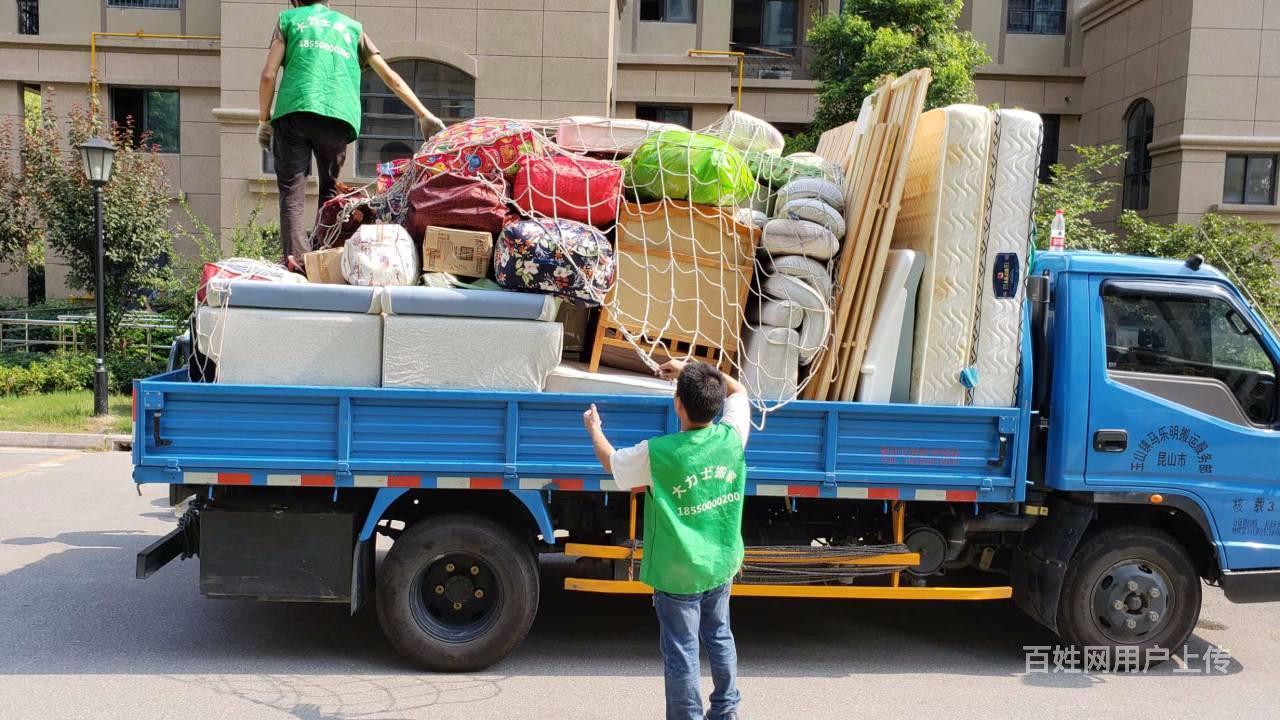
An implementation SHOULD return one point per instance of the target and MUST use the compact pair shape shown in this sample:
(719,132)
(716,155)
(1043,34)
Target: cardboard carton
(461,252)
(324,266)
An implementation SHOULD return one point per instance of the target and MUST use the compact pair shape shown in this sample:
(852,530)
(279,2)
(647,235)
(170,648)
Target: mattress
(807,269)
(259,346)
(776,313)
(885,375)
(573,378)
(783,236)
(289,296)
(771,364)
(941,216)
(586,133)
(459,302)
(816,324)
(430,351)
(1016,137)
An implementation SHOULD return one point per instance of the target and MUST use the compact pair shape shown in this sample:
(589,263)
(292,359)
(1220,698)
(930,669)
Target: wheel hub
(458,598)
(1130,601)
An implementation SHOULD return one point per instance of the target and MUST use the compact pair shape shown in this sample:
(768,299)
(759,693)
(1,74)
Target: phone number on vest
(710,504)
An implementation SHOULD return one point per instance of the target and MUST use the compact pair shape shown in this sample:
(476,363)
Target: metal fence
(24,331)
(154,4)
(776,62)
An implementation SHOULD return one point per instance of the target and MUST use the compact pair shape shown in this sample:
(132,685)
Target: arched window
(1139,124)
(389,129)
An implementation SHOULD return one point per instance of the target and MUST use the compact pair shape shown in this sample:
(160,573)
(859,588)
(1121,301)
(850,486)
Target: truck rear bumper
(1251,586)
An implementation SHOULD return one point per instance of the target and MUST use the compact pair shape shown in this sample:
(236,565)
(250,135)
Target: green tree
(872,38)
(1080,190)
(135,203)
(1246,251)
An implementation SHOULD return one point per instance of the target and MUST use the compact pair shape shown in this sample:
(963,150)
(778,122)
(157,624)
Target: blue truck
(1142,458)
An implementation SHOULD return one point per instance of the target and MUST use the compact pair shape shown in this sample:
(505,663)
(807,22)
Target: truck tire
(1130,586)
(457,593)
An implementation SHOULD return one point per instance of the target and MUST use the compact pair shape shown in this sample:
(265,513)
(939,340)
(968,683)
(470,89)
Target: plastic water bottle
(1058,232)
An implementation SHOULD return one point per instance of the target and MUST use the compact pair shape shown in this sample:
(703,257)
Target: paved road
(80,638)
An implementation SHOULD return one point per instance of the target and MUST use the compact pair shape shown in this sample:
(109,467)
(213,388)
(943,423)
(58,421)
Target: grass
(70,412)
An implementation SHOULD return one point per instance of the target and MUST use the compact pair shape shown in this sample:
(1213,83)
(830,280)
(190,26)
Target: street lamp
(98,155)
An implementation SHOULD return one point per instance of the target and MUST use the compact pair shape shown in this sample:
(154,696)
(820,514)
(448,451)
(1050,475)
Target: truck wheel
(457,593)
(1130,586)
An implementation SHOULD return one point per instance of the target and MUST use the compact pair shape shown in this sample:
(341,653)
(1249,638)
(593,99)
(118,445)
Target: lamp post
(97,155)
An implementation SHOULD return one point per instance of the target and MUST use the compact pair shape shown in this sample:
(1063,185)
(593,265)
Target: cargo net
(707,245)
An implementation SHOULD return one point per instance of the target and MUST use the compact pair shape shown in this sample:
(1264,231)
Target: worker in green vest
(317,108)
(692,529)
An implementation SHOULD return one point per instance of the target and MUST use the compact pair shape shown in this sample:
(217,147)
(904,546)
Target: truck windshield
(1191,336)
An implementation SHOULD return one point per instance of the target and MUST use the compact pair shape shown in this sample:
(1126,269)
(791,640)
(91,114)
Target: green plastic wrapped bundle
(777,171)
(682,165)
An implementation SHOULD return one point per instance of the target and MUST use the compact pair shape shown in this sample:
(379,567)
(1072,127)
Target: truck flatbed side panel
(196,433)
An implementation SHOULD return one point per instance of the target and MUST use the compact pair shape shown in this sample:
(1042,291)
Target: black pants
(298,136)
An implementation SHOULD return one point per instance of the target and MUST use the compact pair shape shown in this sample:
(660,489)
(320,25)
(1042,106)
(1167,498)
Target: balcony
(775,62)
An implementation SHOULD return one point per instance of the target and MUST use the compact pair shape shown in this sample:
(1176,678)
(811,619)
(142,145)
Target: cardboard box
(324,266)
(460,252)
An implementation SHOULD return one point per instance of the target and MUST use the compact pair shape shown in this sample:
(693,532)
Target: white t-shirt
(631,465)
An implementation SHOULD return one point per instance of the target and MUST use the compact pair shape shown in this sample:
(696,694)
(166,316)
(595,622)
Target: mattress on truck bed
(419,438)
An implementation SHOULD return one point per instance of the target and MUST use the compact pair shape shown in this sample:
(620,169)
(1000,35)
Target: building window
(1139,125)
(1250,180)
(390,131)
(151,114)
(680,11)
(149,4)
(681,115)
(765,23)
(28,17)
(1049,146)
(1038,17)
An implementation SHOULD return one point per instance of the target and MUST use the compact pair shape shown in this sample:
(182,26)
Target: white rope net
(722,249)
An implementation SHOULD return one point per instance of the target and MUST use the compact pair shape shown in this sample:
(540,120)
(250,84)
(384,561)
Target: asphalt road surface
(81,638)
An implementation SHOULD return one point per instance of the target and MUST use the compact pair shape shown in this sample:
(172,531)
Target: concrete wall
(530,59)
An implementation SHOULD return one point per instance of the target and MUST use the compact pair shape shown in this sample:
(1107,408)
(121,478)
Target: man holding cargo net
(695,480)
(317,108)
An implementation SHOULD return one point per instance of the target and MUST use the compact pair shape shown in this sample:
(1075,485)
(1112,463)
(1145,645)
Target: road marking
(55,462)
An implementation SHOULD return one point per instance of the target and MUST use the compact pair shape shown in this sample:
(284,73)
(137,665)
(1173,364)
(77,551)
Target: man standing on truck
(695,480)
(317,109)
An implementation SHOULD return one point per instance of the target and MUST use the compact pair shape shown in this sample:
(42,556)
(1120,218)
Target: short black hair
(701,389)
(305,3)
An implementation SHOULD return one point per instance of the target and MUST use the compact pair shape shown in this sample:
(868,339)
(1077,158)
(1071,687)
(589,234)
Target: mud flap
(1040,562)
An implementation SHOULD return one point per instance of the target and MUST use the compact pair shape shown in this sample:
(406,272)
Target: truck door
(1183,399)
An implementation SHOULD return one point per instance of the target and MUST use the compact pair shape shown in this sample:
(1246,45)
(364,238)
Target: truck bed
(200,434)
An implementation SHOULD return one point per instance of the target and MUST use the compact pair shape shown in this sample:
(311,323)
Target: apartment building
(1187,86)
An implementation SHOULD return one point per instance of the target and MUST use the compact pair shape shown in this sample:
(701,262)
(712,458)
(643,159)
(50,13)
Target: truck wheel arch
(1040,562)
(528,508)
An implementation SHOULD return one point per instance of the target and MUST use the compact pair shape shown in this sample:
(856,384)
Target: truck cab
(1156,410)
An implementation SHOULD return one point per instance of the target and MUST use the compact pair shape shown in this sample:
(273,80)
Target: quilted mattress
(457,302)
(429,351)
(941,215)
(997,355)
(772,364)
(258,346)
(572,378)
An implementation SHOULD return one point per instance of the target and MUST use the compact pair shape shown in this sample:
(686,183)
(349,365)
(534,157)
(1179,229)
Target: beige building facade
(1188,86)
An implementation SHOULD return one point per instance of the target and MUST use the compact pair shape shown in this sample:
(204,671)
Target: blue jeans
(682,621)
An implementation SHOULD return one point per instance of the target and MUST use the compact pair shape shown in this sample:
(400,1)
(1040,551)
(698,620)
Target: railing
(28,17)
(776,62)
(20,332)
(153,4)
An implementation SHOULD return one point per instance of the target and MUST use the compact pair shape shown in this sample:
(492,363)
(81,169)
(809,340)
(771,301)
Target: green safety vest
(321,65)
(693,512)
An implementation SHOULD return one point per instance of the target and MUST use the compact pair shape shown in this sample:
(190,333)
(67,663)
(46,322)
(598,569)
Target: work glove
(430,125)
(265,131)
